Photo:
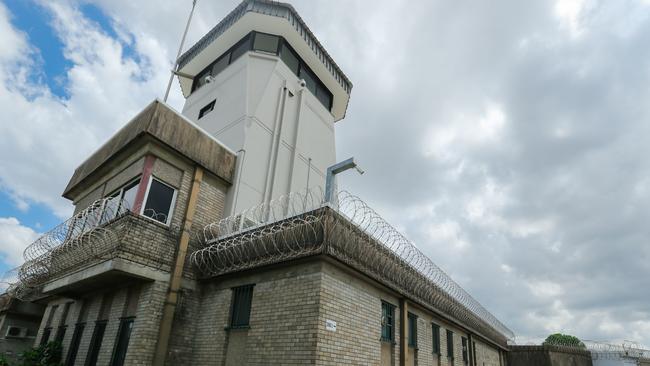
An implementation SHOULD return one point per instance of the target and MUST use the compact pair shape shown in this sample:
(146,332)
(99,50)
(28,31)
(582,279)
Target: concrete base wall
(548,356)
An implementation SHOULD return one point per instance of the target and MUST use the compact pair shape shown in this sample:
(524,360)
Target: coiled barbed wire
(597,350)
(301,224)
(107,228)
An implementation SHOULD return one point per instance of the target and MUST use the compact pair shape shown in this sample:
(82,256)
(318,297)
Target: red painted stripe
(144,183)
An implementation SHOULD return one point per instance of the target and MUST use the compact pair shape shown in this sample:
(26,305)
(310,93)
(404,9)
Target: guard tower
(262,83)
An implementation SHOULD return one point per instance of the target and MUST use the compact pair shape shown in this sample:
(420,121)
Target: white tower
(261,83)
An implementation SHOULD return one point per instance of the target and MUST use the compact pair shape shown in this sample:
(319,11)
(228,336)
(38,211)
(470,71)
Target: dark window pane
(46,336)
(435,332)
(199,80)
(241,306)
(159,201)
(324,96)
(464,342)
(413,330)
(207,109)
(240,49)
(474,352)
(122,342)
(266,43)
(60,333)
(387,322)
(450,344)
(310,79)
(290,59)
(74,344)
(221,64)
(96,343)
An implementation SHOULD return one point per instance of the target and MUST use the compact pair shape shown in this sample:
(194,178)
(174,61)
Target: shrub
(46,355)
(3,360)
(559,339)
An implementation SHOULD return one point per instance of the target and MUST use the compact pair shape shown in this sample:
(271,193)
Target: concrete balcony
(106,243)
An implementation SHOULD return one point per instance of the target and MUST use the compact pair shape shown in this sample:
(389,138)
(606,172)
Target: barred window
(435,336)
(96,342)
(387,322)
(450,344)
(465,354)
(122,341)
(413,330)
(74,343)
(240,312)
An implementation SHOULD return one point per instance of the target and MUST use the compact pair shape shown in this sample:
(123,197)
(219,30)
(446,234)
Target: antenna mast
(180,49)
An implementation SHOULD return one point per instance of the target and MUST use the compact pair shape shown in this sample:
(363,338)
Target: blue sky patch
(35,22)
(38,217)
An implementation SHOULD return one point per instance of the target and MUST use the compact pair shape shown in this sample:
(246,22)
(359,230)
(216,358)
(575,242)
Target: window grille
(241,306)
(387,322)
(413,330)
(96,342)
(122,341)
(450,344)
(74,343)
(435,336)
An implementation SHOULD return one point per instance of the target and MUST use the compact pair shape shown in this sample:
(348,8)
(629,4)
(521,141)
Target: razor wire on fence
(597,350)
(301,224)
(95,233)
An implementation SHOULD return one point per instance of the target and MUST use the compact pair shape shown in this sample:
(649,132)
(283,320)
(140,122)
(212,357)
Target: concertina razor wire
(95,232)
(300,224)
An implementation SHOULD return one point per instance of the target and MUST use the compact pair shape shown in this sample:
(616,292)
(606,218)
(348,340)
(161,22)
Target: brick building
(189,244)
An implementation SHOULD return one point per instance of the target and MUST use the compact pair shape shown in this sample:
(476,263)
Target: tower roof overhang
(274,18)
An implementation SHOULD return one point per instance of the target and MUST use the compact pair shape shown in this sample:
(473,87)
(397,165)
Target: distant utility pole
(180,49)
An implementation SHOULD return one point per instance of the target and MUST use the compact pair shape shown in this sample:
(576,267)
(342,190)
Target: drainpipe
(403,333)
(241,156)
(175,282)
(277,134)
(295,141)
(470,349)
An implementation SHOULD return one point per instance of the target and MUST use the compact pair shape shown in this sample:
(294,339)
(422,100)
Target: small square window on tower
(207,109)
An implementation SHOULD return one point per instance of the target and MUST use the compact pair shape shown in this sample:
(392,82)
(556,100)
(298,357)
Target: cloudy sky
(508,139)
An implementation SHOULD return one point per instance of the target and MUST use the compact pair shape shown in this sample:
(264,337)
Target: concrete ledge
(104,272)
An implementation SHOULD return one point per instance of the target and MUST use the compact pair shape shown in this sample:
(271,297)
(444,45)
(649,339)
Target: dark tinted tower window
(220,65)
(290,59)
(266,43)
(240,49)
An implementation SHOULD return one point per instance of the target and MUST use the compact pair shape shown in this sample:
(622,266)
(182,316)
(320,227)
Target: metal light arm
(336,169)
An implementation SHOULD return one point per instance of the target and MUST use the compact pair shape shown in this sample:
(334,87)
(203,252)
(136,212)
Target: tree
(559,339)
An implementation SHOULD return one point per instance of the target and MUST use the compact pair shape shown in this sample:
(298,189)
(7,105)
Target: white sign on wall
(330,325)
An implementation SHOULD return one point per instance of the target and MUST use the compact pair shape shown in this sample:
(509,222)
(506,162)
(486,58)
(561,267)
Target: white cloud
(569,11)
(48,137)
(14,238)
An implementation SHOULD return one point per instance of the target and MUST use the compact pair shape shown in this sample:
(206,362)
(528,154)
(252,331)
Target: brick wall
(357,313)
